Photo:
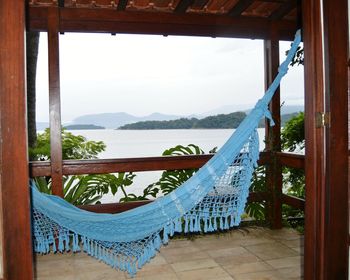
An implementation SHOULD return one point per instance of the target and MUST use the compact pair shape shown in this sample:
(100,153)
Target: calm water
(144,143)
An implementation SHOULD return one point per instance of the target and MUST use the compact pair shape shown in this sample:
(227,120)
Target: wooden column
(314,142)
(55,101)
(326,167)
(273,134)
(15,234)
(335,18)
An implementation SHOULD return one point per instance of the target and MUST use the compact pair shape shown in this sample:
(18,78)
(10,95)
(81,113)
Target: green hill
(220,121)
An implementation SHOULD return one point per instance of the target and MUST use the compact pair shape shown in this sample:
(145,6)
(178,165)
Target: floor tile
(193,265)
(270,251)
(247,268)
(204,274)
(244,254)
(286,262)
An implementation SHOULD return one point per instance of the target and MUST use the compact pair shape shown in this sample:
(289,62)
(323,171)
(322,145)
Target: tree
(73,147)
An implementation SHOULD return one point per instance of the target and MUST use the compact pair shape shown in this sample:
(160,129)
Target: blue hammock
(214,198)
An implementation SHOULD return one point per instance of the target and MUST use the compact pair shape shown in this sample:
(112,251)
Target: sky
(143,74)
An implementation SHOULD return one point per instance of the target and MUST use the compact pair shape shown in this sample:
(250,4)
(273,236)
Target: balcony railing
(103,166)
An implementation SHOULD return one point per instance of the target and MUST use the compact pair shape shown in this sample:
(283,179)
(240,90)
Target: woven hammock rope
(213,198)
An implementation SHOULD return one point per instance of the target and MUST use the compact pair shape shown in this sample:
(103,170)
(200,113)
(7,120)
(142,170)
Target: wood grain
(55,102)
(137,22)
(15,234)
(273,133)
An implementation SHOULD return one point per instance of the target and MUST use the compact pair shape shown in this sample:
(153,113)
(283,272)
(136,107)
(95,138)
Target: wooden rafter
(240,7)
(183,5)
(122,5)
(159,23)
(284,10)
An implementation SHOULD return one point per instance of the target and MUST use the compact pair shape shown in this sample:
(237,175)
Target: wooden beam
(314,262)
(284,10)
(273,134)
(102,166)
(240,7)
(291,160)
(183,5)
(158,23)
(293,201)
(335,19)
(55,102)
(16,261)
(122,5)
(113,208)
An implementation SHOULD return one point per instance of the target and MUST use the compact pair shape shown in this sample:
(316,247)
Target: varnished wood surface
(336,42)
(293,201)
(55,102)
(101,166)
(314,143)
(273,133)
(113,208)
(138,22)
(15,234)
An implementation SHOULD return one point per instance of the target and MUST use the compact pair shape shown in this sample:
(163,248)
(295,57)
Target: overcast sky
(140,75)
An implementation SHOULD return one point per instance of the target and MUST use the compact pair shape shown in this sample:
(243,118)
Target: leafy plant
(87,189)
(73,146)
(293,135)
(257,209)
(171,179)
(292,139)
(78,189)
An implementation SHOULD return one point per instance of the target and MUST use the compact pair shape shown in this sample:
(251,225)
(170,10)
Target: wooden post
(55,101)
(326,134)
(273,134)
(314,142)
(335,19)
(15,235)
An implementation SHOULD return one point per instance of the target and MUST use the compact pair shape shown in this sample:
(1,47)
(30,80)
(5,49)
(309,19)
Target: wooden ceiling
(216,18)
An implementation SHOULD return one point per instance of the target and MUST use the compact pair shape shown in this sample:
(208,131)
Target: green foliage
(78,189)
(257,209)
(292,139)
(220,121)
(87,189)
(171,179)
(293,135)
(73,147)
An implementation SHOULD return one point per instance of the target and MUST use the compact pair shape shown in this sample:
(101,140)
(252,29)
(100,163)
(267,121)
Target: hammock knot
(268,115)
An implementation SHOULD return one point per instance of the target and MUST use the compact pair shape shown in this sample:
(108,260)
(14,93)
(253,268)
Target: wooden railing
(102,166)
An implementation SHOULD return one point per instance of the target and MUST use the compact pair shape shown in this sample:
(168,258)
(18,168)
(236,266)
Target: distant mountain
(82,126)
(115,120)
(227,109)
(288,109)
(221,121)
(285,109)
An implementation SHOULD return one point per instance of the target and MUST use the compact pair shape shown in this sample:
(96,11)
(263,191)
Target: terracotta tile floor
(248,253)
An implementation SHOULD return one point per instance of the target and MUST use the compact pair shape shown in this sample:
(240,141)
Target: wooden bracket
(323,119)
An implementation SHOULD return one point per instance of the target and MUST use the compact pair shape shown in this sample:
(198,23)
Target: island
(212,122)
(83,127)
